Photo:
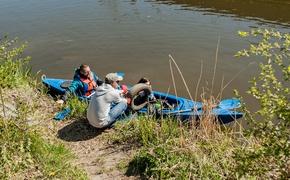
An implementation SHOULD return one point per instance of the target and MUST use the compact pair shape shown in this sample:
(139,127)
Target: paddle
(65,112)
(62,114)
(121,74)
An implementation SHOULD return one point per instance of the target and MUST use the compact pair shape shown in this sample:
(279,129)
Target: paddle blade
(62,114)
(121,74)
(231,103)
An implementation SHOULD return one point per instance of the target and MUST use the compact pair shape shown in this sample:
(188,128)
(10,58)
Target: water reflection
(264,11)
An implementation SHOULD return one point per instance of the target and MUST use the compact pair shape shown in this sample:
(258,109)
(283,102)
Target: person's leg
(117,111)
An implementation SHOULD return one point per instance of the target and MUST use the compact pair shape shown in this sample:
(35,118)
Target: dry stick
(162,103)
(214,70)
(4,116)
(213,78)
(223,79)
(173,81)
(234,78)
(222,88)
(171,59)
(172,76)
(196,90)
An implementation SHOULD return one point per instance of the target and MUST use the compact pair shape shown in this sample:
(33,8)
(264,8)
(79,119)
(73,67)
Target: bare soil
(98,157)
(95,154)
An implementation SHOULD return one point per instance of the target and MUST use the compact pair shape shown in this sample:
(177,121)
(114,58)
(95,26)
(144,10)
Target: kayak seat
(65,84)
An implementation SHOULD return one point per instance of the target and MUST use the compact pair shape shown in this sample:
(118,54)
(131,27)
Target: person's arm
(115,97)
(100,82)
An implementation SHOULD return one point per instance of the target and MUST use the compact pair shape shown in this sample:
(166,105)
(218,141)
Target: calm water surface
(137,37)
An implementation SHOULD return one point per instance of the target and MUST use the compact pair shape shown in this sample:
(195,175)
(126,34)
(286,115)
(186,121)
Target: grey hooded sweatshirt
(100,105)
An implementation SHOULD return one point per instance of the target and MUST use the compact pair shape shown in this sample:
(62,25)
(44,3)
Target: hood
(78,75)
(103,89)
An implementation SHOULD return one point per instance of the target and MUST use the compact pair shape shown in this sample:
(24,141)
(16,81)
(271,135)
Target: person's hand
(60,101)
(124,88)
(90,76)
(128,100)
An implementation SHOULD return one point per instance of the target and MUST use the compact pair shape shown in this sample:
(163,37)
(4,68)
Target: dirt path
(94,154)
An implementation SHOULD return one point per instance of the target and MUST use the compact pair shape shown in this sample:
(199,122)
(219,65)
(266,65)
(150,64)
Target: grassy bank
(168,149)
(159,149)
(28,150)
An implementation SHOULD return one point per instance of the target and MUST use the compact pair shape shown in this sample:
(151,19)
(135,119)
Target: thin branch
(214,70)
(200,74)
(219,95)
(171,59)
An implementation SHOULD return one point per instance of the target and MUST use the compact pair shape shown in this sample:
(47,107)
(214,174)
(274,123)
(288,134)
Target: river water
(136,37)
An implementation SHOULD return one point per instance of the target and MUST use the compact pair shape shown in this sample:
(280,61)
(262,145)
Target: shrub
(13,70)
(268,155)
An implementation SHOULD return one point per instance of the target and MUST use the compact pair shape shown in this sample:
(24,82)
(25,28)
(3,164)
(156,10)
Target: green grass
(168,149)
(163,149)
(24,154)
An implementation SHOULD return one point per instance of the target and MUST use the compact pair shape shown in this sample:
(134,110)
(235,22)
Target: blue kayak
(165,105)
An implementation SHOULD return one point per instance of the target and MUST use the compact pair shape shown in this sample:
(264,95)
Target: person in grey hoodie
(108,104)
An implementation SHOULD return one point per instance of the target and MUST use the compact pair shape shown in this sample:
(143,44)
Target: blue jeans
(116,112)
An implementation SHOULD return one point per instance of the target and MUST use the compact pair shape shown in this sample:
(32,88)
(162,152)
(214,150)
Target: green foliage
(23,152)
(54,160)
(15,148)
(78,107)
(22,149)
(13,70)
(269,156)
(171,150)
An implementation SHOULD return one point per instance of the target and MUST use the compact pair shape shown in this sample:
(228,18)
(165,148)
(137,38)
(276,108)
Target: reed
(167,148)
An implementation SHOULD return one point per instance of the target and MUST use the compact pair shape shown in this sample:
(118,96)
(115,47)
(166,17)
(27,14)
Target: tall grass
(168,148)
(171,149)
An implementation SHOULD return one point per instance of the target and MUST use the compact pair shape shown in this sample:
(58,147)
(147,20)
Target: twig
(4,117)
(214,70)
(171,59)
(234,78)
(172,76)
(222,84)
(196,90)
